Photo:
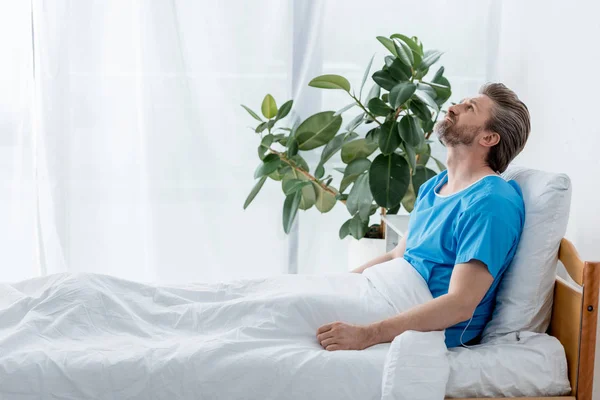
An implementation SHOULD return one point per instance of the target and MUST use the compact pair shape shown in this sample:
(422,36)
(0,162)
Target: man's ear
(489,139)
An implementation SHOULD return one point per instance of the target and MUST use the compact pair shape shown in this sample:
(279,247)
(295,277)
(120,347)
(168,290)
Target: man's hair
(510,120)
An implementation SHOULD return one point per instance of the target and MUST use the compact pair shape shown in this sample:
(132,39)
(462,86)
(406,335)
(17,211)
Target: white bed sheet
(86,336)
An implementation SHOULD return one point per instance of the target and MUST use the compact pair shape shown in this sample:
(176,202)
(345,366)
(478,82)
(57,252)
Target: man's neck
(464,168)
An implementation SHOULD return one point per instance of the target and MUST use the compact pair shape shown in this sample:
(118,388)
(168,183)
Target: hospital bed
(87,336)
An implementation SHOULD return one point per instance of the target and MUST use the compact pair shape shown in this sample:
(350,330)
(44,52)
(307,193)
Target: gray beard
(452,136)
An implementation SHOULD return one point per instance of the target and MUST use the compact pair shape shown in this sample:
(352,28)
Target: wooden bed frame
(574,319)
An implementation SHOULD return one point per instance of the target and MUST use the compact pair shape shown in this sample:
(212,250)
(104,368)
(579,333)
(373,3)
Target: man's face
(465,121)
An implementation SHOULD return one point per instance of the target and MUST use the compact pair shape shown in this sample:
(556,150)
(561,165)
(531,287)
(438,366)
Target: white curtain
(18,221)
(147,153)
(133,157)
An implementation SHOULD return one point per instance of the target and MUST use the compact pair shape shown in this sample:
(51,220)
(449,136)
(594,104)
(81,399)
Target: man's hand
(342,336)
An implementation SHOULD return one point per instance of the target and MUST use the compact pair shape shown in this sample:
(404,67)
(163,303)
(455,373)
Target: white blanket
(86,336)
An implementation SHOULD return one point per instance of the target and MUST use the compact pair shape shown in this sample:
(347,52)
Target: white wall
(548,53)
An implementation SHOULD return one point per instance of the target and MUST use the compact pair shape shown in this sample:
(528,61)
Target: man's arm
(468,285)
(396,252)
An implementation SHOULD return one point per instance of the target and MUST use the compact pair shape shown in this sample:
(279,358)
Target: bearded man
(463,231)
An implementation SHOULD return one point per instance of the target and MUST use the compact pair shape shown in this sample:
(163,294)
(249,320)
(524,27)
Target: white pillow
(524,299)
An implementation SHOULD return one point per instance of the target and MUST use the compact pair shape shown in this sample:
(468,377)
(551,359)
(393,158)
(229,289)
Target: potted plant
(384,166)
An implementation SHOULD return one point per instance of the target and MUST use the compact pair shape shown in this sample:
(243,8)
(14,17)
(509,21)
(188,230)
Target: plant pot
(363,250)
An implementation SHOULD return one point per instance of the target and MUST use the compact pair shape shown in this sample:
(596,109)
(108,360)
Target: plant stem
(364,109)
(382,225)
(435,120)
(303,172)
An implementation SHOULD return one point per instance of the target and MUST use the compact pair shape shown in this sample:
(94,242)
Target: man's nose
(453,110)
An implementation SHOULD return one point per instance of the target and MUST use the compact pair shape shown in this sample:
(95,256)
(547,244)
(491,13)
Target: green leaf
(424,152)
(267,140)
(344,109)
(443,95)
(416,50)
(401,93)
(421,176)
(276,175)
(410,131)
(290,186)
(378,107)
(353,171)
(427,125)
(340,170)
(269,164)
(330,82)
(420,110)
(325,199)
(421,73)
(374,92)
(430,57)
(350,136)
(384,79)
(426,87)
(345,229)
(389,177)
(374,208)
(254,115)
(389,44)
(317,130)
(354,227)
(319,171)
(373,135)
(358,228)
(418,42)
(400,71)
(254,191)
(408,201)
(360,197)
(439,73)
(439,164)
(442,89)
(300,162)
(265,143)
(261,127)
(355,123)
(284,110)
(277,138)
(411,155)
(283,169)
(290,209)
(427,99)
(333,147)
(389,140)
(308,196)
(404,52)
(365,76)
(360,148)
(269,108)
(292,147)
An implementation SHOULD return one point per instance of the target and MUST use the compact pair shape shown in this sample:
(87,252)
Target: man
(464,229)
